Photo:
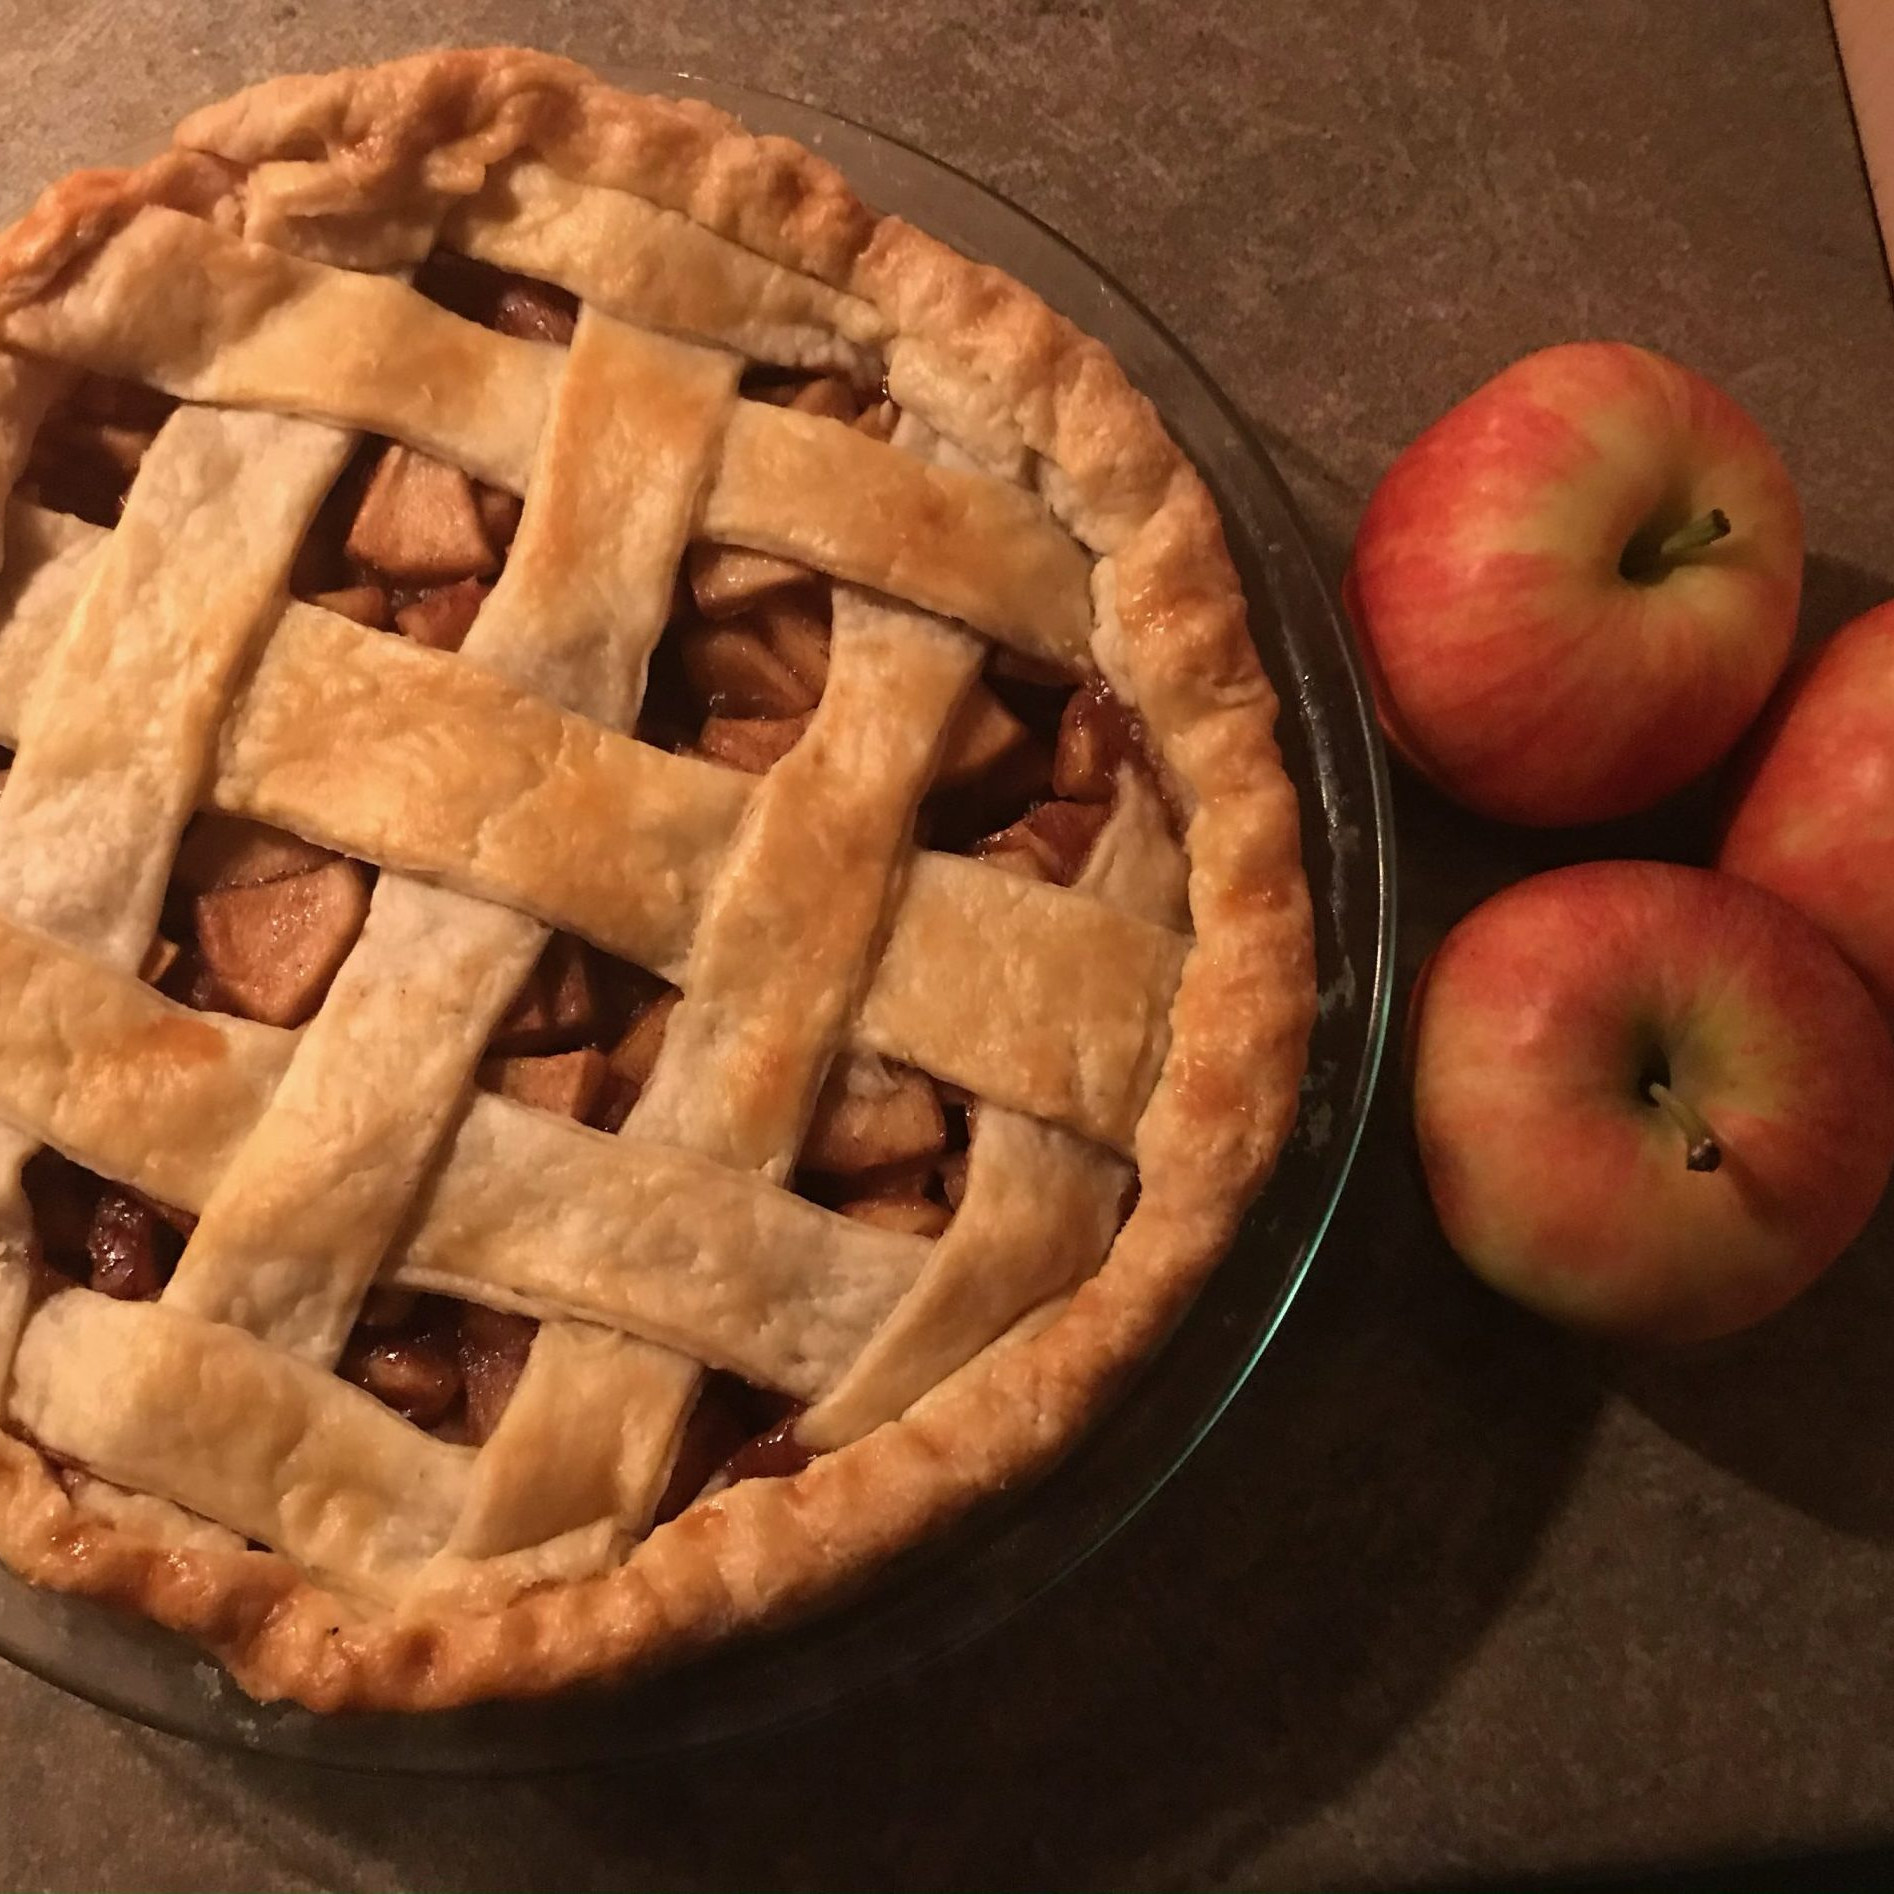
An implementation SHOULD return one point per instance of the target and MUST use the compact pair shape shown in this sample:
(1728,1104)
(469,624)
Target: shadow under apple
(1239,1655)
(1835,591)
(1797,1406)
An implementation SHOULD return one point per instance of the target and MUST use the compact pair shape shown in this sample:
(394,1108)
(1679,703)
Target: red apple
(1815,821)
(1579,586)
(1651,1101)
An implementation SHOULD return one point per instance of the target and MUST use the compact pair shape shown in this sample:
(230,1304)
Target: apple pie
(650,927)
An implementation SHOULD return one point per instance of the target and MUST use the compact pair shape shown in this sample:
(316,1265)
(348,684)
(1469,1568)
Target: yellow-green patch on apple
(1815,817)
(1651,1101)
(1578,587)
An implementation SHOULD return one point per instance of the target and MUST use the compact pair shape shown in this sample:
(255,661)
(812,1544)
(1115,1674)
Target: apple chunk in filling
(871,1113)
(419,522)
(273,948)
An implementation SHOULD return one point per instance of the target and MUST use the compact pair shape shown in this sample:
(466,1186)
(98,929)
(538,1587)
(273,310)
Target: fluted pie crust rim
(396,146)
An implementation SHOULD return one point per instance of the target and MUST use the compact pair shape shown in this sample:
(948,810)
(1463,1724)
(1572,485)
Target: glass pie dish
(941,1593)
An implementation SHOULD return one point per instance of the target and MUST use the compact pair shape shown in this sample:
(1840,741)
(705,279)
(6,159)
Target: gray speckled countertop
(1444,1596)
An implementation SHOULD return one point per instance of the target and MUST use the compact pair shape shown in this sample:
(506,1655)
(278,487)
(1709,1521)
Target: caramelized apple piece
(725,579)
(160,957)
(984,734)
(796,631)
(182,1221)
(321,565)
(953,1177)
(442,618)
(878,422)
(776,1455)
(827,395)
(870,1113)
(731,1419)
(905,1177)
(498,299)
(86,453)
(230,851)
(76,481)
(388,1308)
(1096,735)
(716,1429)
(493,1347)
(536,311)
(557,1008)
(418,522)
(1003,661)
(912,1216)
(1018,780)
(366,604)
(1013,855)
(753,744)
(191,981)
(499,514)
(632,1059)
(563,1082)
(131,1253)
(274,948)
(63,1198)
(415,1373)
(110,443)
(735,674)
(1065,831)
(118,403)
(1056,836)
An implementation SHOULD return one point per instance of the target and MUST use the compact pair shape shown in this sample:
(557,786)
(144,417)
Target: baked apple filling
(88,448)
(257,921)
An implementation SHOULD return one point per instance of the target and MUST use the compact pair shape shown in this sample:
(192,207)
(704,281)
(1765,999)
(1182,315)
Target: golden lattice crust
(362,169)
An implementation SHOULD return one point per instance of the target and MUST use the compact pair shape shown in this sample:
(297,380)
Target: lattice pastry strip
(377,1076)
(522,1211)
(546,1470)
(655,267)
(95,802)
(118,734)
(781,949)
(587,1440)
(243,326)
(291,1236)
(500,795)
(776,962)
(29,386)
(254,327)
(1040,1207)
(154,637)
(208,1416)
(295,1230)
(411,759)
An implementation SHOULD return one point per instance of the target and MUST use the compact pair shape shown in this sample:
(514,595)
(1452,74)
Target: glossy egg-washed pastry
(649,921)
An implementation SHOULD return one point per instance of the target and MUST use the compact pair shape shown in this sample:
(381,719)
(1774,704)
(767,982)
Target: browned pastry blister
(690,1004)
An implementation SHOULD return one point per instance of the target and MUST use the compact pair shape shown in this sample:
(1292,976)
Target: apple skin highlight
(1814,819)
(1514,663)
(1543,1018)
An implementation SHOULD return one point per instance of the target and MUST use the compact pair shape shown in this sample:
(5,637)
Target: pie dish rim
(1074,1385)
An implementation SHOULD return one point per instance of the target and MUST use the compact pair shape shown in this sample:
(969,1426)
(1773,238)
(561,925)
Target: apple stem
(1702,1152)
(1647,563)
(1703,531)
